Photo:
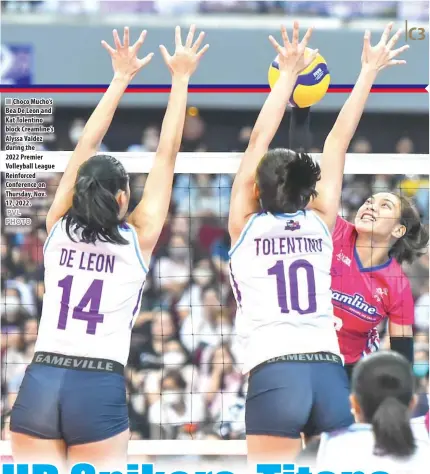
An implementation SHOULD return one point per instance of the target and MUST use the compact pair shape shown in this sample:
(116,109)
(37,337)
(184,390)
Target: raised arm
(125,65)
(291,62)
(150,214)
(373,60)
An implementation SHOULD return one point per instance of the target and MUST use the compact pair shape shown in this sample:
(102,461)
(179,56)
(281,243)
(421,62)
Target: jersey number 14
(278,270)
(92,297)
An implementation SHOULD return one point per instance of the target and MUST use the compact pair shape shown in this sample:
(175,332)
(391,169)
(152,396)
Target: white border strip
(220,163)
(171,448)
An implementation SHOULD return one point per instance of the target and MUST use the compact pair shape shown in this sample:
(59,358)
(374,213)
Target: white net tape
(409,166)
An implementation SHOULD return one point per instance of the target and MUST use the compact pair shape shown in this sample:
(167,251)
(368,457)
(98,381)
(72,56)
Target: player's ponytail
(383,388)
(392,429)
(286,180)
(416,237)
(95,210)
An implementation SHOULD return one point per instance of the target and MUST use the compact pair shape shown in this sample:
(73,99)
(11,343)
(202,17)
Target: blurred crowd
(183,378)
(411,9)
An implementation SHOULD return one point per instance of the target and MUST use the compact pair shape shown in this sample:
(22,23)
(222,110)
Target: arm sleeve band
(404,346)
(300,136)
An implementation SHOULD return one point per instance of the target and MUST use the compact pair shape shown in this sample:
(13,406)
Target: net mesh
(183,340)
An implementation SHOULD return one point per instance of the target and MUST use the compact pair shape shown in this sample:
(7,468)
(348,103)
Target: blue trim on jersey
(50,235)
(324,225)
(242,235)
(369,269)
(136,246)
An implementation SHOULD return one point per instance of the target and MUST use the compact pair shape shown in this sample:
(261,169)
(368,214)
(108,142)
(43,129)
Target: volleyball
(311,85)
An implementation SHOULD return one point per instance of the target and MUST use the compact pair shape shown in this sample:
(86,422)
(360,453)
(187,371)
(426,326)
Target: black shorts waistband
(307,357)
(90,364)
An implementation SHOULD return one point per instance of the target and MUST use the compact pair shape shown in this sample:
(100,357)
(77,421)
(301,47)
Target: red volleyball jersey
(363,297)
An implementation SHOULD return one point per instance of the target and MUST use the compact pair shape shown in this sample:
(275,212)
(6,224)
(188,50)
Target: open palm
(291,57)
(186,57)
(382,54)
(124,58)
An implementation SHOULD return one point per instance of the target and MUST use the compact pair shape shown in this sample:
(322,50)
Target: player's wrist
(369,71)
(121,77)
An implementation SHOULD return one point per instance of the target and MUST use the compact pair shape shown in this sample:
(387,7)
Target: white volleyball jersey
(92,295)
(353,449)
(280,275)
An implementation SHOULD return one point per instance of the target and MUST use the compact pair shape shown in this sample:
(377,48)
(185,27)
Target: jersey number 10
(278,270)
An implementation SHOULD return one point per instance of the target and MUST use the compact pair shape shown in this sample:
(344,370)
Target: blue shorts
(291,395)
(77,405)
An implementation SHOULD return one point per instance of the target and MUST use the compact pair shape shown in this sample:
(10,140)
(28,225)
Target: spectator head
(203,273)
(100,201)
(173,387)
(361,145)
(392,220)
(150,138)
(211,302)
(286,180)
(405,146)
(181,226)
(244,136)
(11,305)
(163,325)
(179,249)
(383,395)
(204,180)
(174,355)
(75,130)
(30,331)
(194,126)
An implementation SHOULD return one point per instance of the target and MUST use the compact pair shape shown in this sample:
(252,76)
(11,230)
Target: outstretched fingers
(395,62)
(116,40)
(386,34)
(164,53)
(126,37)
(296,33)
(367,37)
(398,51)
(284,34)
(276,45)
(108,48)
(394,39)
(146,60)
(190,36)
(198,42)
(307,37)
(178,40)
(202,51)
(311,57)
(139,42)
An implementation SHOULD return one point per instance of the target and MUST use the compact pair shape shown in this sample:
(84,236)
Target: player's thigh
(110,453)
(279,400)
(262,448)
(93,407)
(29,449)
(331,409)
(36,409)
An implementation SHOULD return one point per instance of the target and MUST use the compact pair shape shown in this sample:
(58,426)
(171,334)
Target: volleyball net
(183,344)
